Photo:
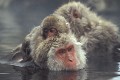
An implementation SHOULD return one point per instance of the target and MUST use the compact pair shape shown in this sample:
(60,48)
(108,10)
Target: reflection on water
(34,74)
(119,66)
(17,18)
(8,72)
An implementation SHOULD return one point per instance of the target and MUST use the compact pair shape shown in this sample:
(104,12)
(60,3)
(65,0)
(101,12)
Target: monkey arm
(23,50)
(40,51)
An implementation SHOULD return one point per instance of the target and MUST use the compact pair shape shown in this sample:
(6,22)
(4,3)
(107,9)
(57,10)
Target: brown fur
(97,35)
(96,32)
(44,53)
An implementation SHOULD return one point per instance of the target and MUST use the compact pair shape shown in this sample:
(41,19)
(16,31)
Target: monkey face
(49,32)
(67,55)
(53,25)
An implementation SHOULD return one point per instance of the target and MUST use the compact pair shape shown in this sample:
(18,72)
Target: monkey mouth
(70,66)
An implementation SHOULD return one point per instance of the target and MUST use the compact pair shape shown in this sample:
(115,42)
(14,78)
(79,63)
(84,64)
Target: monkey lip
(70,65)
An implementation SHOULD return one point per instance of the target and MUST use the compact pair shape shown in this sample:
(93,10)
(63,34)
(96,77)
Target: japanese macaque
(56,53)
(52,46)
(30,73)
(51,26)
(63,53)
(97,33)
(97,36)
(100,37)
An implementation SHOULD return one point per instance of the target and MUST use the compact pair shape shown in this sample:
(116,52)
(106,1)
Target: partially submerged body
(96,35)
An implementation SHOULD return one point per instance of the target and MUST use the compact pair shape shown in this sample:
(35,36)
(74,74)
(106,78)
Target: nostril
(70,60)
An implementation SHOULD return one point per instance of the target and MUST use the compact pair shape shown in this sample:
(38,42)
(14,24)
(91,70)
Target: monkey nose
(70,59)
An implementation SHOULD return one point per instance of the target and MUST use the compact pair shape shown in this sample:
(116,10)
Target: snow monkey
(100,37)
(51,26)
(97,35)
(59,53)
(52,46)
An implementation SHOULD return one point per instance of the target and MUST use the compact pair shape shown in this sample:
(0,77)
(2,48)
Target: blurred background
(18,17)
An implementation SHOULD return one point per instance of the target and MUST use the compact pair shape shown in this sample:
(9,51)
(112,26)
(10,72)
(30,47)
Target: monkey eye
(53,30)
(70,48)
(75,15)
(61,51)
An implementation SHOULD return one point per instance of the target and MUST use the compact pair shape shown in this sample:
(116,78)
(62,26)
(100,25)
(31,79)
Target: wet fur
(45,53)
(97,35)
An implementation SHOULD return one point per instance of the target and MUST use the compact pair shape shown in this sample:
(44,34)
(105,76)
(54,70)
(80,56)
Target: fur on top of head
(56,21)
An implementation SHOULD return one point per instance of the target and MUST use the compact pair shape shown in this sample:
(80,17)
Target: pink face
(67,55)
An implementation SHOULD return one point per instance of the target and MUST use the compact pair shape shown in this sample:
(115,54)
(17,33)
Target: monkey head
(53,25)
(63,53)
(81,19)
